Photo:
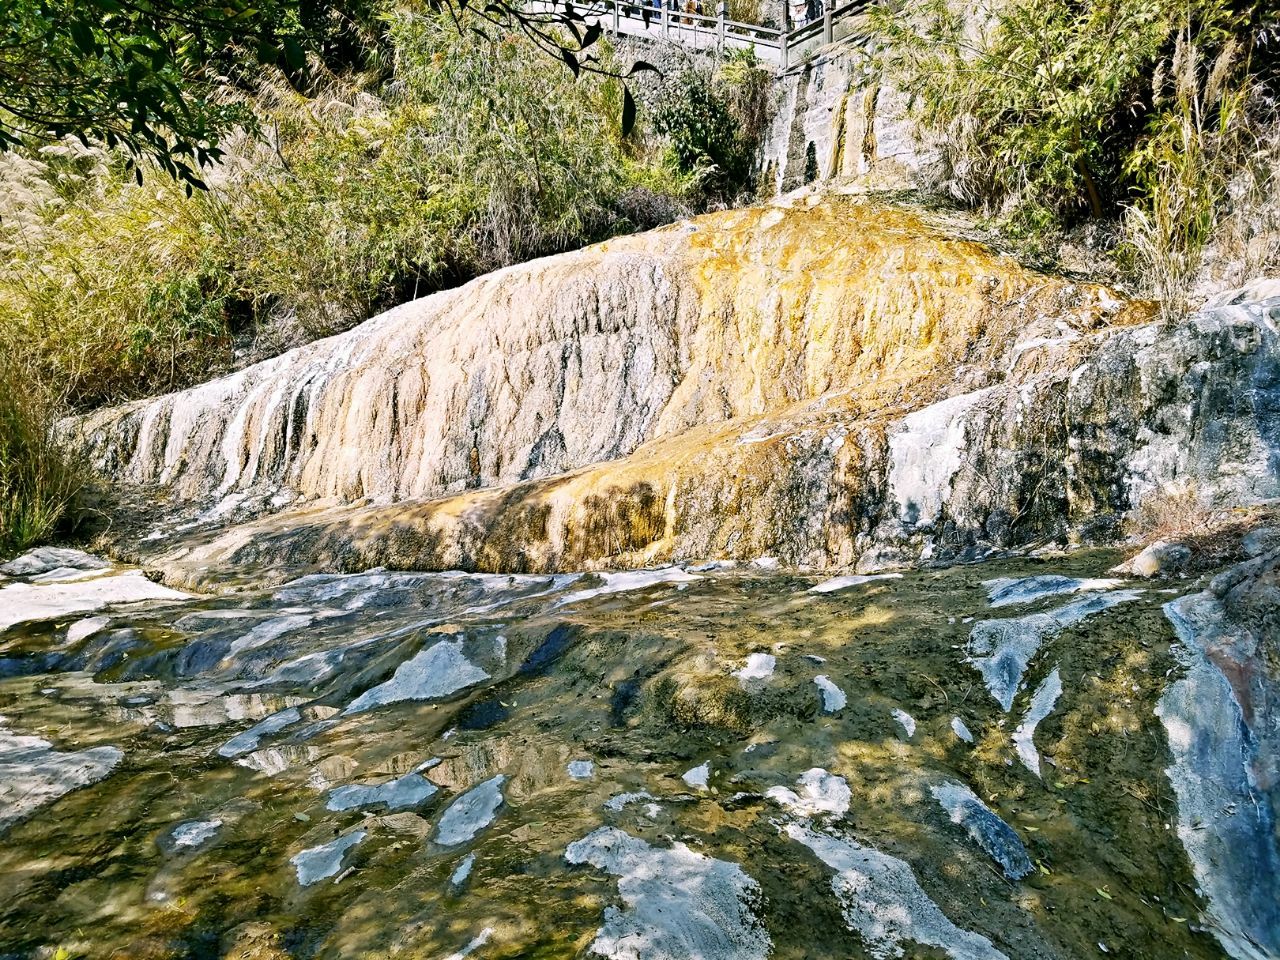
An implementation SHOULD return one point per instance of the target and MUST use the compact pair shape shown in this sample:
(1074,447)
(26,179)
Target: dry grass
(1206,146)
(744,11)
(1213,534)
(1174,515)
(1246,242)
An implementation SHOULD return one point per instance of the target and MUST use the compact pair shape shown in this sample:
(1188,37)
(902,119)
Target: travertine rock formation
(825,381)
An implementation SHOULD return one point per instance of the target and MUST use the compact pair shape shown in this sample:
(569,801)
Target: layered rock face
(576,359)
(835,119)
(828,382)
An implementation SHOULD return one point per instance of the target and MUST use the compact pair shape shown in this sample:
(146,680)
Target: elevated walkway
(781,48)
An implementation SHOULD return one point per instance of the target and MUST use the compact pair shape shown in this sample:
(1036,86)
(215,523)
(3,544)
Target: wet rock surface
(630,795)
(50,593)
(1002,649)
(1007,591)
(470,813)
(33,774)
(321,862)
(818,792)
(884,902)
(678,903)
(190,835)
(1220,718)
(997,839)
(411,790)
(1042,703)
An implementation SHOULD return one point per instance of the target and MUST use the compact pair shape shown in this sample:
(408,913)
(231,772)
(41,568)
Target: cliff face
(835,119)
(826,382)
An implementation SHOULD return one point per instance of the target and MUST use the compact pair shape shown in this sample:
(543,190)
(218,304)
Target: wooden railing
(702,32)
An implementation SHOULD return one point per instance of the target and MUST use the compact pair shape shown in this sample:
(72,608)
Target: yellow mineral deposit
(686,392)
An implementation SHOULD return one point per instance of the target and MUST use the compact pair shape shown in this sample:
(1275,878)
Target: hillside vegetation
(438,153)
(1153,122)
(465,154)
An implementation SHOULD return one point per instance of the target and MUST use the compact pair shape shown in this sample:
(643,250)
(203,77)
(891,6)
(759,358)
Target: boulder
(1260,540)
(1160,559)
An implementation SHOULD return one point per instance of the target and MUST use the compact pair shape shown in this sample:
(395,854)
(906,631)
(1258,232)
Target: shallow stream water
(674,763)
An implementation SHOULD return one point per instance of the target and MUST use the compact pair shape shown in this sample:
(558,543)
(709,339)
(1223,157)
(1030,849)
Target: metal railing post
(828,27)
(721,9)
(616,24)
(782,34)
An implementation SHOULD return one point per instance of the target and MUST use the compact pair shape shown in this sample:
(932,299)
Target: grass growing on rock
(39,480)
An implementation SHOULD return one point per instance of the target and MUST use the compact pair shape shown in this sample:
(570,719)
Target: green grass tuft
(39,481)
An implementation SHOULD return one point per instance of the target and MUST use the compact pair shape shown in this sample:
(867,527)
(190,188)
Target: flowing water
(724,762)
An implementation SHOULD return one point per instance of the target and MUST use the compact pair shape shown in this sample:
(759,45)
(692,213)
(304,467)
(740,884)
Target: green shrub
(1028,97)
(39,483)
(1050,111)
(480,153)
(747,87)
(713,121)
